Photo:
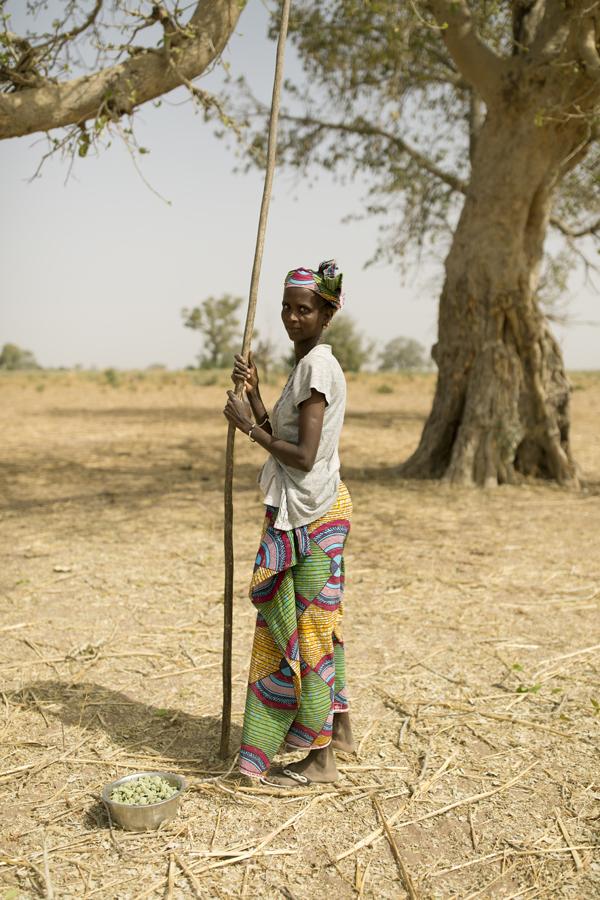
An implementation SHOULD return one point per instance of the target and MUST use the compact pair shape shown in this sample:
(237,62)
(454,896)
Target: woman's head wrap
(323,282)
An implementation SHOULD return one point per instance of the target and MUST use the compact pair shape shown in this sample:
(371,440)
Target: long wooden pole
(228,494)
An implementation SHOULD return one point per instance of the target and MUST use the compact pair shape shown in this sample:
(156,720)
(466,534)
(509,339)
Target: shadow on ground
(149,414)
(167,733)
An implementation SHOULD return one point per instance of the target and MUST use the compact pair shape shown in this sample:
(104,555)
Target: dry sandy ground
(473,644)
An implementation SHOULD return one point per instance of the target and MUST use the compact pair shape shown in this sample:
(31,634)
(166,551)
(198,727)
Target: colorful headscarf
(323,282)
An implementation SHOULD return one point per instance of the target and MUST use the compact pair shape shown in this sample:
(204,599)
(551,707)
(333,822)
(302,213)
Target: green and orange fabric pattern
(297,672)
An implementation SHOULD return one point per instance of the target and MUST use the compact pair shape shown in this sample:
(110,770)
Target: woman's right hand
(246,373)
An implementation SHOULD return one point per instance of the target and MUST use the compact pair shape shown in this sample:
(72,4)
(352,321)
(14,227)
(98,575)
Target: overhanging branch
(122,88)
(359,126)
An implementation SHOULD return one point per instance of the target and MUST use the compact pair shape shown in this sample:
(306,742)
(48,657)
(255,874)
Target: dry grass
(473,642)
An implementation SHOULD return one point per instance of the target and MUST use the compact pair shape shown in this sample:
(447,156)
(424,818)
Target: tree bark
(120,89)
(502,399)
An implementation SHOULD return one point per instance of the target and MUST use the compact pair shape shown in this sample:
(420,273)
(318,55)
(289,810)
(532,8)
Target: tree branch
(210,101)
(474,59)
(359,126)
(122,88)
(68,36)
(573,233)
(527,16)
(587,47)
(550,25)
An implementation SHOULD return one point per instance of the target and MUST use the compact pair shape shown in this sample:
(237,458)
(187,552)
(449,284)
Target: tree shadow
(384,419)
(130,724)
(148,414)
(382,475)
(61,481)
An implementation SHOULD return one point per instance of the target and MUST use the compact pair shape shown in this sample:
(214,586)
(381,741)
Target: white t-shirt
(303,497)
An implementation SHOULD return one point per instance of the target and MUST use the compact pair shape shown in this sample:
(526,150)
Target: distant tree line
(216,320)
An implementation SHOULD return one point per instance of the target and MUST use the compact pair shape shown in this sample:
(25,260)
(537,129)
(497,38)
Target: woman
(296,691)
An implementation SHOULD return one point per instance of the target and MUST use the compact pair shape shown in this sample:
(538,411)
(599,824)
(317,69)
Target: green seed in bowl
(144,791)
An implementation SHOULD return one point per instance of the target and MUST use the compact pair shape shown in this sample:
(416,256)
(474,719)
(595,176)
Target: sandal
(289,773)
(301,779)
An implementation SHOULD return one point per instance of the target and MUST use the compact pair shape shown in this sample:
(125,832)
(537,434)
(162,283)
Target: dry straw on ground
(473,642)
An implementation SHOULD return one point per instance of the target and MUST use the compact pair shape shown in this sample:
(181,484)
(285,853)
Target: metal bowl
(144,818)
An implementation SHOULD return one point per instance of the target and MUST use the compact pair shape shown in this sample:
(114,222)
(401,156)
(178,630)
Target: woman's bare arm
(301,456)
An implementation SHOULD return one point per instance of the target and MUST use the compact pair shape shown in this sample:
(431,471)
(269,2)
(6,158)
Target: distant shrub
(403,353)
(348,344)
(12,357)
(215,319)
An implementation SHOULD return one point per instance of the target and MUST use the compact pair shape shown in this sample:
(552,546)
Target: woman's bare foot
(319,766)
(341,736)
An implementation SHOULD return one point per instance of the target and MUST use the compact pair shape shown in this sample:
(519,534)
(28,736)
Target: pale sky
(97,271)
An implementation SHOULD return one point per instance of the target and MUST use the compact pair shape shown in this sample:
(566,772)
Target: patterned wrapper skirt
(297,671)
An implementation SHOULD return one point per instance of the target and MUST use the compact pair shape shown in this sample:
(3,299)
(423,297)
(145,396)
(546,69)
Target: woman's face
(304,313)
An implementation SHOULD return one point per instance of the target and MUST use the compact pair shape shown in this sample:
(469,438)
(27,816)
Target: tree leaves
(384,98)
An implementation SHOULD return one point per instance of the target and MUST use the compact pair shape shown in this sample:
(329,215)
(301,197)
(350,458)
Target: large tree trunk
(502,399)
